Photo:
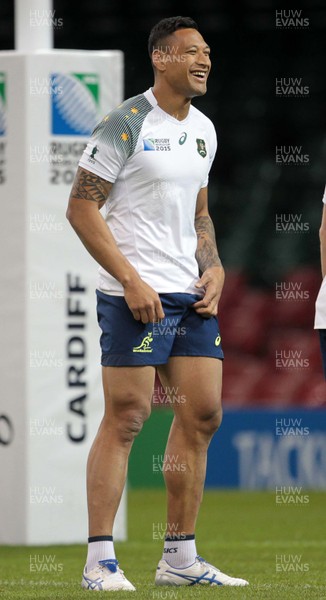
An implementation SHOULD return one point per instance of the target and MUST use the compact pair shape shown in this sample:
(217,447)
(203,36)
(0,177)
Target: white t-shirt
(157,165)
(320,315)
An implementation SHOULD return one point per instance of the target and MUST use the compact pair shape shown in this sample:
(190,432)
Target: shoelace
(200,558)
(103,565)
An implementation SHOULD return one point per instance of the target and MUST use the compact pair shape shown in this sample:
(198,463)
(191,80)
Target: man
(320,317)
(148,162)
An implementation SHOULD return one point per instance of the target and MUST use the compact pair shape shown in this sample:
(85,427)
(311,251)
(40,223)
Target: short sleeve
(212,152)
(109,147)
(324,196)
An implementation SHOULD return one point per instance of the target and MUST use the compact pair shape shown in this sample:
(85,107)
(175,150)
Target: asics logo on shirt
(183,138)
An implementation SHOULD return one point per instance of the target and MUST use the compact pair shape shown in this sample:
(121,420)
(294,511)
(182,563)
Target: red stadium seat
(235,286)
(295,298)
(244,326)
(294,344)
(240,380)
(310,277)
(313,392)
(280,388)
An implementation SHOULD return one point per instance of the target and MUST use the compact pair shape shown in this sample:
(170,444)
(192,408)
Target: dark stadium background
(247,188)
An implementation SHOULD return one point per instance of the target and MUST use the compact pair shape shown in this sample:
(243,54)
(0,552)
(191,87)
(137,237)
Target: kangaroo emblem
(145,344)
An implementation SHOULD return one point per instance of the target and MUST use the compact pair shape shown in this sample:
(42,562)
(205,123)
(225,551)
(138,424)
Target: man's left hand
(212,281)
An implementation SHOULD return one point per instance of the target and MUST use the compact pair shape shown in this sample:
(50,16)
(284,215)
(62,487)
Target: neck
(171,102)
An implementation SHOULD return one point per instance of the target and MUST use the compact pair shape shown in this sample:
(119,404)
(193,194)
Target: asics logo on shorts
(145,345)
(218,340)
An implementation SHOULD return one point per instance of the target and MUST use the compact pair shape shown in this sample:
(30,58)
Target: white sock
(180,551)
(100,547)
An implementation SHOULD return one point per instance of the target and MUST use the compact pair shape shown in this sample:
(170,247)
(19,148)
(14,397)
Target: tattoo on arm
(90,187)
(206,253)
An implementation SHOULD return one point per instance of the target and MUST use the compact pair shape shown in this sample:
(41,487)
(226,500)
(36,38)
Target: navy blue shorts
(182,332)
(322,338)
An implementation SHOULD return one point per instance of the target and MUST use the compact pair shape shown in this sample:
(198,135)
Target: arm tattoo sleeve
(90,187)
(206,253)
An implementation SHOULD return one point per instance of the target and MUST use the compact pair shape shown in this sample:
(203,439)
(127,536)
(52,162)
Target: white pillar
(51,394)
(34,22)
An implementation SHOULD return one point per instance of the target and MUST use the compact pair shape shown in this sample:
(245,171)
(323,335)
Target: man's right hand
(143,301)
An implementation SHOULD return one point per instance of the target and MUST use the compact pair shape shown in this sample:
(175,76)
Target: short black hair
(166,27)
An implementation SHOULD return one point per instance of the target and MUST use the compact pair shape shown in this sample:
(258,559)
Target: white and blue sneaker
(200,572)
(106,576)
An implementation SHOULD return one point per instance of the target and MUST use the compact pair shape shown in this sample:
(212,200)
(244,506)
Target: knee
(129,417)
(130,425)
(209,421)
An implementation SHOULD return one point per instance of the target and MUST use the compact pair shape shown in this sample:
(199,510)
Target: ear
(159,60)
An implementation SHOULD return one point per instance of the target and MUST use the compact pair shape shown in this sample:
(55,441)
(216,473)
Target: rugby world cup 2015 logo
(75,104)
(3,120)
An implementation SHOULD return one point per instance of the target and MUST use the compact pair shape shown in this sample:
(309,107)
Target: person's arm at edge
(210,266)
(89,193)
(322,237)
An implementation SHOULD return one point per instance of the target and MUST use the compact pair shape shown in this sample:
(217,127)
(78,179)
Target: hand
(143,301)
(212,281)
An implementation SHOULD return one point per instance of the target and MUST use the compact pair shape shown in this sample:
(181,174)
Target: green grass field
(279,549)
